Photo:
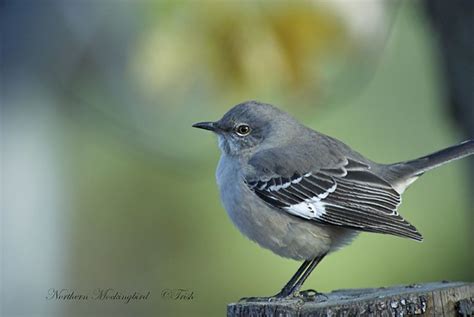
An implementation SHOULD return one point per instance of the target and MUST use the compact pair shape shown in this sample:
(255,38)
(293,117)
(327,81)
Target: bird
(303,194)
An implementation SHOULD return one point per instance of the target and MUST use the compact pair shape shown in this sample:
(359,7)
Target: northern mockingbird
(303,194)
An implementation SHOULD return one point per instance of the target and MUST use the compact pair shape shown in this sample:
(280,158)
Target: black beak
(211,126)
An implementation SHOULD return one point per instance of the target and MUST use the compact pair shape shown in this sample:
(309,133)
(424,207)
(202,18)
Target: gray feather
(403,174)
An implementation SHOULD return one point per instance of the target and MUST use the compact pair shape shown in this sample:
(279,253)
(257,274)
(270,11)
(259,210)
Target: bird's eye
(242,130)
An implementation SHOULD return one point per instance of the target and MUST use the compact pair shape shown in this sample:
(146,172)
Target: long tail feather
(430,161)
(402,174)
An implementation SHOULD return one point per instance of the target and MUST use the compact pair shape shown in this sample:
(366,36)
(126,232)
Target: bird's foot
(282,295)
(255,299)
(275,298)
(312,295)
(306,295)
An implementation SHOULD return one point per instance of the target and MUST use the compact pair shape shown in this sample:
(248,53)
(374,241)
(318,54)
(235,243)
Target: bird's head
(251,126)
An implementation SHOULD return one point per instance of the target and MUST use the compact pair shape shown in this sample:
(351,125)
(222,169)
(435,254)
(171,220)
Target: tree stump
(430,299)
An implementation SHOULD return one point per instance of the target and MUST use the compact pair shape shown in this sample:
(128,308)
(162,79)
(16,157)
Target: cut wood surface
(430,299)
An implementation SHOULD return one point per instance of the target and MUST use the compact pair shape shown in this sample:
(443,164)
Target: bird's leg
(299,278)
(286,290)
(306,274)
(294,284)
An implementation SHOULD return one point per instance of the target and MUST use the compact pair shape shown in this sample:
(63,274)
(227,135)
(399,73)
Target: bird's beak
(211,126)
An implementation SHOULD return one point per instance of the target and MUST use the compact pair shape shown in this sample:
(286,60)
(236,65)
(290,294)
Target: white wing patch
(312,207)
(308,209)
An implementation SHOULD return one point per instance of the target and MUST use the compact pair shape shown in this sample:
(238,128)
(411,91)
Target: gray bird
(303,194)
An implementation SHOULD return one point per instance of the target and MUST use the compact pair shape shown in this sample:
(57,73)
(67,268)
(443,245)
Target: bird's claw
(312,295)
(274,298)
(255,299)
(306,295)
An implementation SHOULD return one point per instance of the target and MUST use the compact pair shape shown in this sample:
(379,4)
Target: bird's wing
(347,194)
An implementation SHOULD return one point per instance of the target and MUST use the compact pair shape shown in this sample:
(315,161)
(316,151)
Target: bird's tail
(404,173)
(430,161)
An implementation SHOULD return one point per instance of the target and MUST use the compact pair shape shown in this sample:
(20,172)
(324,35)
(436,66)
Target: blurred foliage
(239,46)
(142,208)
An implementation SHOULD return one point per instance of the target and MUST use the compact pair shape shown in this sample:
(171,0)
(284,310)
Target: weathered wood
(431,299)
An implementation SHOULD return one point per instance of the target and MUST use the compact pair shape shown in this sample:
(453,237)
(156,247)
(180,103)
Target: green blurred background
(105,184)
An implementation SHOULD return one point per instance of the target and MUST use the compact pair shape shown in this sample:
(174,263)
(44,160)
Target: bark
(431,299)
